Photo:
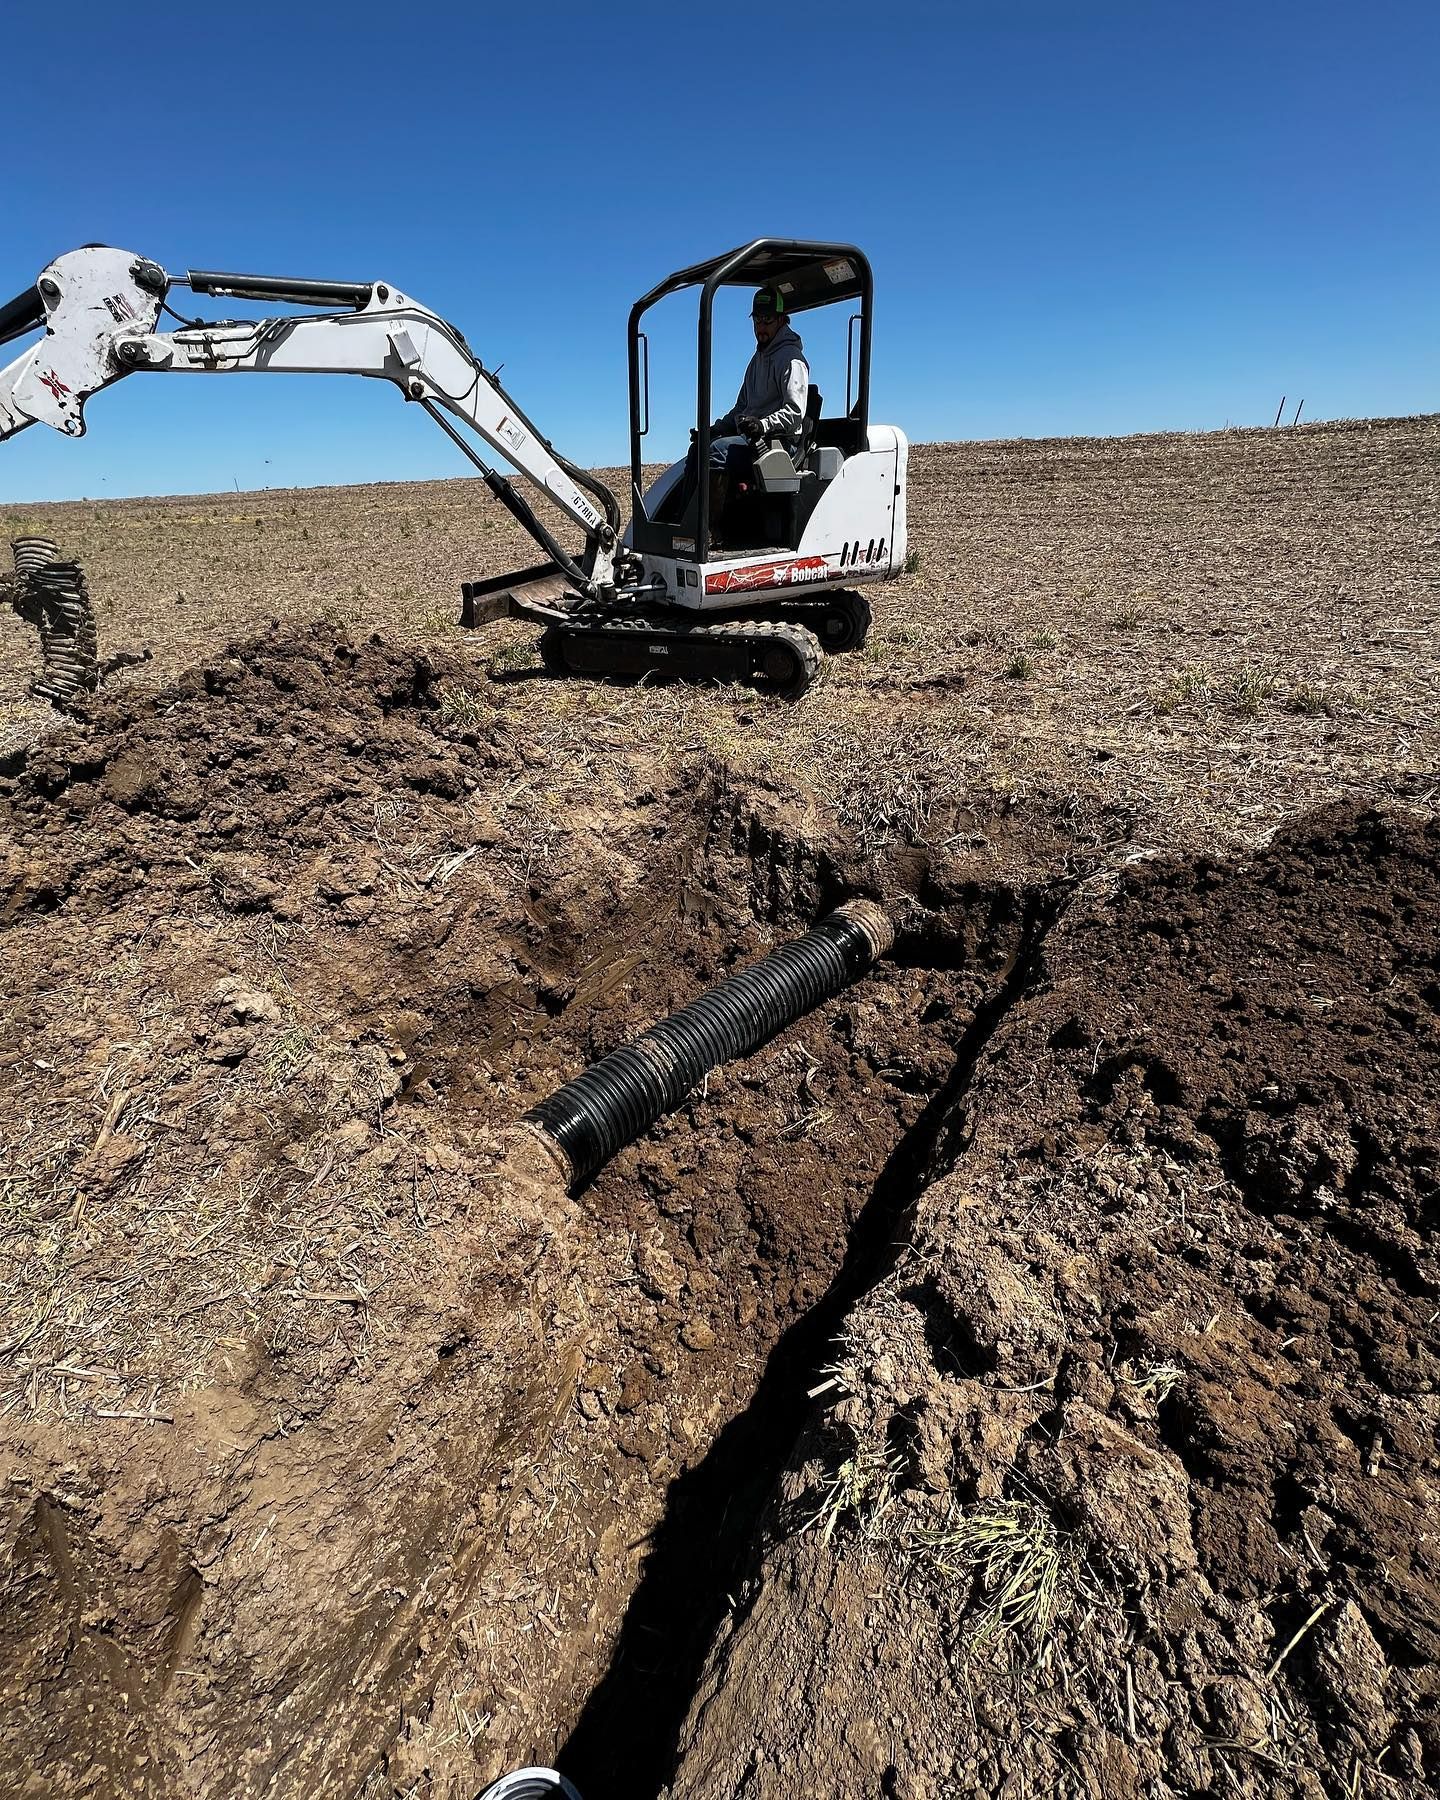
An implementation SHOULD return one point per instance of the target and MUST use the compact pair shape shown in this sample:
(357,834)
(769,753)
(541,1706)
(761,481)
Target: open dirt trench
(398,1544)
(743,1228)
(551,1492)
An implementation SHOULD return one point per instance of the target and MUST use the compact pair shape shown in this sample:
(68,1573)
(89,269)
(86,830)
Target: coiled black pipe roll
(585,1122)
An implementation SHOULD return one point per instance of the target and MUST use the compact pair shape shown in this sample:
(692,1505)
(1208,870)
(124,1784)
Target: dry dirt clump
(1127,1481)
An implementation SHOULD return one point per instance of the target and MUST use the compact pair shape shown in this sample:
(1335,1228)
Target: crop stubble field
(1020,1376)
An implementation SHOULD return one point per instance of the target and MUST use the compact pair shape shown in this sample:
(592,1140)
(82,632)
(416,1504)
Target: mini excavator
(752,586)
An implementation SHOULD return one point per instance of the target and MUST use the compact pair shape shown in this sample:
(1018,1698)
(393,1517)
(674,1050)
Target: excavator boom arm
(101,308)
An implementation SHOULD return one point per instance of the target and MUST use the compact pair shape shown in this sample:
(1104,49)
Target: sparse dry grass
(289,1051)
(1020,1569)
(1249,688)
(883,783)
(1155,1381)
(1311,698)
(1188,687)
(1015,1556)
(511,657)
(464,706)
(858,1496)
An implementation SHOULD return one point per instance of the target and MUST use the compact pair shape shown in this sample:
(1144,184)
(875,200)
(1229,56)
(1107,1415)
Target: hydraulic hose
(597,487)
(610,1104)
(582,476)
(514,502)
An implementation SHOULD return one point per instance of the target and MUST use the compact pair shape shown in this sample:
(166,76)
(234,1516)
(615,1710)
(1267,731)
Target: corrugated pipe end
(532,1784)
(874,921)
(536,1134)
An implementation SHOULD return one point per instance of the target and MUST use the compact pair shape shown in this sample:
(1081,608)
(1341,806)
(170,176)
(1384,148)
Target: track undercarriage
(777,647)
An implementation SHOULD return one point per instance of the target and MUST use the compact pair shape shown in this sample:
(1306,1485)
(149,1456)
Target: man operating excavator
(668,595)
(771,401)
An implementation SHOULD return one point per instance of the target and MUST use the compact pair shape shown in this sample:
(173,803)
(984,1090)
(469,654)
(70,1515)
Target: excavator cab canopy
(807,275)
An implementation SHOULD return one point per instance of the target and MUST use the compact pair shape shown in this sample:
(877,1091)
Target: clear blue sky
(1128,215)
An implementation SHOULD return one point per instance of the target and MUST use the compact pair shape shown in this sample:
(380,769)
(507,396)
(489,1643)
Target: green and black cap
(767,304)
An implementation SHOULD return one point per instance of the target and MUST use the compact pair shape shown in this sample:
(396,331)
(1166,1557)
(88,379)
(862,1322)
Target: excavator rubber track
(770,654)
(840,618)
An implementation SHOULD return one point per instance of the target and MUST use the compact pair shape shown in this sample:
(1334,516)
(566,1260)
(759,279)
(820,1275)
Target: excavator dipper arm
(100,308)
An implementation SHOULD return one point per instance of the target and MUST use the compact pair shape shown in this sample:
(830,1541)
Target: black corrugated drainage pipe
(585,1122)
(532,1784)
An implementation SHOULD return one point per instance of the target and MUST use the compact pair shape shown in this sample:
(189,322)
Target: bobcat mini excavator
(754,596)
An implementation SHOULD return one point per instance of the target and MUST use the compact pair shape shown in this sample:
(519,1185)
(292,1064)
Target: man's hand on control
(750,426)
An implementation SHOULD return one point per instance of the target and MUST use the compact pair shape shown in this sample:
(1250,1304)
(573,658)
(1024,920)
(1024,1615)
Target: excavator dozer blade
(512,596)
(475,613)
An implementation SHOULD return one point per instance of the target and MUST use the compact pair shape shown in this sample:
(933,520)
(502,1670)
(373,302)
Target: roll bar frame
(755,264)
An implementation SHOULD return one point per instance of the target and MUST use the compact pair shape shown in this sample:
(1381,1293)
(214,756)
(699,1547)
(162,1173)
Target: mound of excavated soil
(1171,1319)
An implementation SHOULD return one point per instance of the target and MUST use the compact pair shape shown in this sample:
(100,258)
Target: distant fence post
(1278,410)
(1296,419)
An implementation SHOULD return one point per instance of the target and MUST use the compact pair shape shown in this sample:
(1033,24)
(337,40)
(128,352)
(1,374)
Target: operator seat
(769,510)
(813,404)
(818,464)
(777,464)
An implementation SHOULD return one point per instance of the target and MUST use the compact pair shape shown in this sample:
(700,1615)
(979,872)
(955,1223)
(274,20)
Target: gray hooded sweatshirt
(775,388)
